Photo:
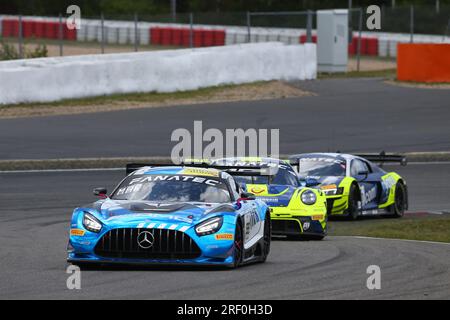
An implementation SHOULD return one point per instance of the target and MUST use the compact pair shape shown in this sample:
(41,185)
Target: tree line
(152,7)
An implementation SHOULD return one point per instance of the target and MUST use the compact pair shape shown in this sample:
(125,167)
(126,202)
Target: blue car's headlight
(308,197)
(91,223)
(209,226)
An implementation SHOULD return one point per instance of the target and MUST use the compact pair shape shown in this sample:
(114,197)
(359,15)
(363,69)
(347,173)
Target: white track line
(391,239)
(118,169)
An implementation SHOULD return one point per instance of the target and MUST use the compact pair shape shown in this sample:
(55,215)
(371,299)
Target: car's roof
(338,156)
(261,160)
(181,170)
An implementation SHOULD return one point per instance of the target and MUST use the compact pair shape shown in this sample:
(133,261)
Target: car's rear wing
(383,158)
(230,169)
(380,158)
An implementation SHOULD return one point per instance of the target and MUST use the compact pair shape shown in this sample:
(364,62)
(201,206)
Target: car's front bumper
(285,222)
(119,246)
(297,226)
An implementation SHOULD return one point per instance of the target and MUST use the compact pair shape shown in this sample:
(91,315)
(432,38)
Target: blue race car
(192,215)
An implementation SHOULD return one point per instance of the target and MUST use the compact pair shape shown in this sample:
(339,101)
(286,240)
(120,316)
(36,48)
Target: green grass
(427,228)
(386,73)
(150,97)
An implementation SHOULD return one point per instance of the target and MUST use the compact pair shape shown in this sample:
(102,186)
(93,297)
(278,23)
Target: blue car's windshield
(172,188)
(282,177)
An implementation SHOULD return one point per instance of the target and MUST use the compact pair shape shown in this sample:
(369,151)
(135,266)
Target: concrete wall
(52,79)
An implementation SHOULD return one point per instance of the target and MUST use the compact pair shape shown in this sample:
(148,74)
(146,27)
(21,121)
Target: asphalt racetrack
(34,220)
(346,114)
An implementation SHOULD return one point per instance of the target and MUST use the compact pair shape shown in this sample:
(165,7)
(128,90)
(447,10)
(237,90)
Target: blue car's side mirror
(310,182)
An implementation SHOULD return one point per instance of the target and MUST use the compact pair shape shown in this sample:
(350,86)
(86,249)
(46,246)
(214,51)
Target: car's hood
(272,195)
(143,211)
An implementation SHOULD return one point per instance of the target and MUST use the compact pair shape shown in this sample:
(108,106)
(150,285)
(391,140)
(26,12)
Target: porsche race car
(162,214)
(354,185)
(296,210)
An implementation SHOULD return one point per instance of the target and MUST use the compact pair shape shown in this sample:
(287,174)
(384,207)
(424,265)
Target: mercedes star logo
(145,239)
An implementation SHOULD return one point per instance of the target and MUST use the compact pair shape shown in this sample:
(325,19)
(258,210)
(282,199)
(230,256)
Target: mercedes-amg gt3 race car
(172,215)
(296,211)
(355,186)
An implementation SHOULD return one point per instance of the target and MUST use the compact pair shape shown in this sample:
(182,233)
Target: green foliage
(9,52)
(39,52)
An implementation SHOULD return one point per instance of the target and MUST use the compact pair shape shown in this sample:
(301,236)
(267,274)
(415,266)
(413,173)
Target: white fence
(123,32)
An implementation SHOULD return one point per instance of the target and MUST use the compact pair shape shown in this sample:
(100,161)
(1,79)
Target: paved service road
(347,115)
(34,219)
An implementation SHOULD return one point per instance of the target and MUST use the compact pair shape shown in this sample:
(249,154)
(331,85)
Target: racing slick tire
(353,210)
(238,246)
(399,206)
(267,237)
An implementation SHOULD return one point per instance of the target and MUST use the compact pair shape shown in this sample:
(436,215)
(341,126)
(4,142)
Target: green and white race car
(354,185)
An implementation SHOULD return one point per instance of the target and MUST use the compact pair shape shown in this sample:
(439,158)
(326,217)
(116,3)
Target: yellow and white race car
(297,211)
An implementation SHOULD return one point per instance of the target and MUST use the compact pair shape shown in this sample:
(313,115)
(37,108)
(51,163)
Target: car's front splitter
(93,259)
(295,225)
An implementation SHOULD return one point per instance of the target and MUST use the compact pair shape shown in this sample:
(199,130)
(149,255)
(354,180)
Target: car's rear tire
(399,206)
(353,209)
(267,237)
(238,246)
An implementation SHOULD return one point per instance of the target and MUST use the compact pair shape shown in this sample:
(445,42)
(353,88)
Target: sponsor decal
(369,196)
(224,236)
(137,184)
(329,187)
(272,200)
(258,190)
(388,183)
(200,172)
(370,212)
(306,225)
(77,232)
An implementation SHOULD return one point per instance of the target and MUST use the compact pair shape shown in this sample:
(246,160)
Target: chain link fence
(106,33)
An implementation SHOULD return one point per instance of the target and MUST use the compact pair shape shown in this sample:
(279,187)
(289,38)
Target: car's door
(252,222)
(368,182)
(249,212)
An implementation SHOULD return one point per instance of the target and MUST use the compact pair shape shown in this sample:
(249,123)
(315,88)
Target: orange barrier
(423,62)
